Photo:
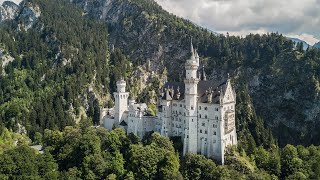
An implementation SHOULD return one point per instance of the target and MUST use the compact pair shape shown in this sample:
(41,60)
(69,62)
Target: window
(192,120)
(191,107)
(200,130)
(203,124)
(199,115)
(206,132)
(205,108)
(206,116)
(180,105)
(217,118)
(217,109)
(199,107)
(214,133)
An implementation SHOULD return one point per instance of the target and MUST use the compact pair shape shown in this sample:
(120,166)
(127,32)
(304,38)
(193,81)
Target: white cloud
(294,17)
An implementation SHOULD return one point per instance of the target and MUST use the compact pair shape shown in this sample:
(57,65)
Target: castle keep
(200,111)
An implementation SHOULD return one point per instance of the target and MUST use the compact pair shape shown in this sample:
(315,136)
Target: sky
(293,18)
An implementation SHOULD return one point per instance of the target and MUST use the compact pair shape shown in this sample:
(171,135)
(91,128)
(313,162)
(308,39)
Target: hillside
(296,40)
(54,66)
(282,81)
(62,61)
(59,63)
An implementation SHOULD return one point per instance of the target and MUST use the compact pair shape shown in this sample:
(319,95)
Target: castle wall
(204,128)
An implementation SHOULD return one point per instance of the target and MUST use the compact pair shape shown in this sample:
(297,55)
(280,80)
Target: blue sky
(294,18)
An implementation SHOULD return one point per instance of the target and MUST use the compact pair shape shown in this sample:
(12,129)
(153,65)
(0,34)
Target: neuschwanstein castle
(200,111)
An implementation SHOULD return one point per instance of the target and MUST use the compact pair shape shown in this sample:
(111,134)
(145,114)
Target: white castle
(200,111)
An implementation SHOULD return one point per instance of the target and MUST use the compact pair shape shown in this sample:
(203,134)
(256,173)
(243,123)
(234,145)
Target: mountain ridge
(148,33)
(272,77)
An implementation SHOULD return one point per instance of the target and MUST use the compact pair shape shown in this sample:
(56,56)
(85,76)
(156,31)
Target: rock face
(29,16)
(138,33)
(26,14)
(146,33)
(8,11)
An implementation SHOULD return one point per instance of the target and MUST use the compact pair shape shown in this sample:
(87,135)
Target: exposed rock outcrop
(8,11)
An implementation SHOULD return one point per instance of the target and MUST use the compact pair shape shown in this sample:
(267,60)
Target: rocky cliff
(8,11)
(283,87)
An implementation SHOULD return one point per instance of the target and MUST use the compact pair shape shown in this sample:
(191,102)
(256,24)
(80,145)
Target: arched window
(206,116)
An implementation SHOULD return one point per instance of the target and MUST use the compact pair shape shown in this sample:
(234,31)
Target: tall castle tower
(121,102)
(191,88)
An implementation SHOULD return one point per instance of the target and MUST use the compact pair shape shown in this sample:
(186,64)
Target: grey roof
(204,87)
(123,123)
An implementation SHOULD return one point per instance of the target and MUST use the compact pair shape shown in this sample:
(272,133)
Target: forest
(64,71)
(83,152)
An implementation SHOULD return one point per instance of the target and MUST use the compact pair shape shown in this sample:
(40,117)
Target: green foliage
(53,67)
(22,162)
(156,159)
(198,167)
(9,139)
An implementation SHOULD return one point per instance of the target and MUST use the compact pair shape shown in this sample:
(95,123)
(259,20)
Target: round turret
(131,101)
(121,86)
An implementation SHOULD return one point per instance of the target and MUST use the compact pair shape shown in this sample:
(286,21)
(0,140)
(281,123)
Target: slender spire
(203,74)
(191,49)
(191,45)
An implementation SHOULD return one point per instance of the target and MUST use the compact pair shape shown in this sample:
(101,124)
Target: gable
(229,95)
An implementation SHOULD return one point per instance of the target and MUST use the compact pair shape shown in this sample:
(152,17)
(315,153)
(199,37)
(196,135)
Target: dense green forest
(83,152)
(53,69)
(63,72)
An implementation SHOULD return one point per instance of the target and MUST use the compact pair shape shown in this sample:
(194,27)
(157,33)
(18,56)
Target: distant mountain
(305,44)
(317,45)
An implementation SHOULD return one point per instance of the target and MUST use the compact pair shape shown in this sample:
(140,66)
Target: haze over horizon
(293,18)
(296,19)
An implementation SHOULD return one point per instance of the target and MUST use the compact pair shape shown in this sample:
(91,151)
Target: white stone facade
(201,112)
